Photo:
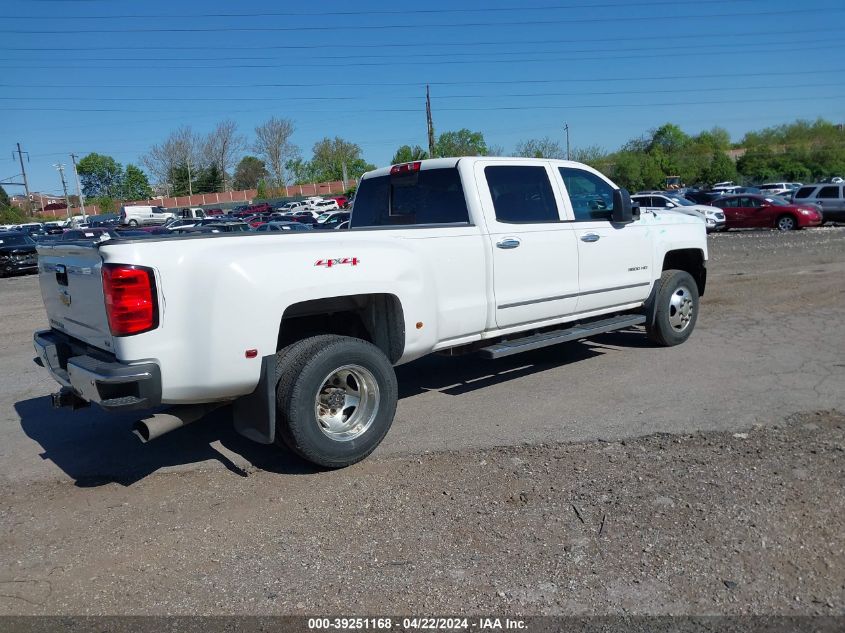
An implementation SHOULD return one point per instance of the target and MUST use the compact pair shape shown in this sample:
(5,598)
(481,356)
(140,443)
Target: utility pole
(61,170)
(566,129)
(23,173)
(78,187)
(429,123)
(345,175)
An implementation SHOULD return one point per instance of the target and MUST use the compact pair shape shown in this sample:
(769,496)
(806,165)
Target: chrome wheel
(786,223)
(681,309)
(347,403)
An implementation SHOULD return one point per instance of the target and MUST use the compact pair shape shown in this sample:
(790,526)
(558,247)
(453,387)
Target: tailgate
(72,289)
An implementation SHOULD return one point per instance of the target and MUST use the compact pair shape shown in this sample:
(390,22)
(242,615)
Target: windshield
(15,240)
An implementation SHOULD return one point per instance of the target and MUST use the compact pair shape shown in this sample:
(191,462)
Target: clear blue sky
(116,76)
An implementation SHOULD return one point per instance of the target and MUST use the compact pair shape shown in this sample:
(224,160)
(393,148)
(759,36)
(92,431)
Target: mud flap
(255,415)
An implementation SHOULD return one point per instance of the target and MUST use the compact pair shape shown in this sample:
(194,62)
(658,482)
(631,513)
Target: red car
(341,201)
(747,211)
(253,209)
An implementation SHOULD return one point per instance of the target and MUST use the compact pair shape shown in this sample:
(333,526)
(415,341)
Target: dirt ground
(706,479)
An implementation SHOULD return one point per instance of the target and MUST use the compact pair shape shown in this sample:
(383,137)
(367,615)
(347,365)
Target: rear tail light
(130,294)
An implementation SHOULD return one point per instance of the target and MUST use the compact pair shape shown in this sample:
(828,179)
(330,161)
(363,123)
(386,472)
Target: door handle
(590,237)
(508,242)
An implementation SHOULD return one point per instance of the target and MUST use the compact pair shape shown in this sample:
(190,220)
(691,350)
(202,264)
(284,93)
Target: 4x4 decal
(337,261)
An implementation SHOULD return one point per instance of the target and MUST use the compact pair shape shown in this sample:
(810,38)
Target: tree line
(187,162)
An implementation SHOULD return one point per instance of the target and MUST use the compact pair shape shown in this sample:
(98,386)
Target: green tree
(100,175)
(408,154)
(720,169)
(178,177)
(4,199)
(330,156)
(209,180)
(134,184)
(592,155)
(540,148)
(462,142)
(249,172)
(301,171)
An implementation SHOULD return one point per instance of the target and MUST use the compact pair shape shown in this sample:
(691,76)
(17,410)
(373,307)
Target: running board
(544,339)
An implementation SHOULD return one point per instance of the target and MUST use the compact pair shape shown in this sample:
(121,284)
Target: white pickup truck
(301,330)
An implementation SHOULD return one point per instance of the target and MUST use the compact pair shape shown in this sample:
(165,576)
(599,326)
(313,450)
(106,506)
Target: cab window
(590,196)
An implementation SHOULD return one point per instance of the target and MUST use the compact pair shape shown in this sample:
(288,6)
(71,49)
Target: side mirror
(624,211)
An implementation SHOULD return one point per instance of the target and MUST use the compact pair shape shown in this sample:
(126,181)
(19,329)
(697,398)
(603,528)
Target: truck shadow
(96,448)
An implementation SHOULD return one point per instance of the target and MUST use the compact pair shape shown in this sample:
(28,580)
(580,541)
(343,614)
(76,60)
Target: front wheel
(133,222)
(335,399)
(672,308)
(786,223)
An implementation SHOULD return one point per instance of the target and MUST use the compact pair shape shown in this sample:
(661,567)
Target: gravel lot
(603,476)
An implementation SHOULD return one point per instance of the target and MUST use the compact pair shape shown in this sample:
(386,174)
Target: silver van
(830,197)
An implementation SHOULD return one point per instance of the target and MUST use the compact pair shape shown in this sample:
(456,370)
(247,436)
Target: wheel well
(690,260)
(377,318)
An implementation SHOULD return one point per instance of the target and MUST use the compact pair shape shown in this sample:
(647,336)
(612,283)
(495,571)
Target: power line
(439,98)
(393,63)
(404,11)
(379,27)
(454,109)
(733,47)
(418,45)
(461,82)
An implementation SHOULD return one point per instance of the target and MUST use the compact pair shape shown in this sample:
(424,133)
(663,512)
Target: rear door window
(521,194)
(427,196)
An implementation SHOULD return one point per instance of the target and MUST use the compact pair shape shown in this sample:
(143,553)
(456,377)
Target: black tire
(662,313)
(786,223)
(133,222)
(302,367)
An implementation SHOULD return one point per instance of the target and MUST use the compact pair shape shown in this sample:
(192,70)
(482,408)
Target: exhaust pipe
(158,424)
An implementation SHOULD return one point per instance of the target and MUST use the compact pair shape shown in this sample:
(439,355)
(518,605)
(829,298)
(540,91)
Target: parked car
(714,218)
(777,188)
(140,215)
(324,205)
(293,205)
(104,220)
(17,253)
(214,213)
(253,209)
(750,211)
(829,196)
(216,227)
(196,213)
(333,219)
(306,217)
(174,224)
(261,218)
(475,261)
(703,197)
(276,226)
(341,201)
(89,234)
